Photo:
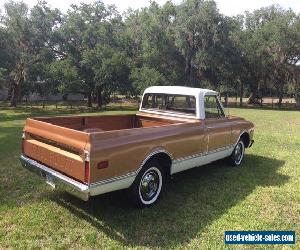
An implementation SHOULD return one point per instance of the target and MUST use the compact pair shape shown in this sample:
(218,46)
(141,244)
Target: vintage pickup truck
(176,128)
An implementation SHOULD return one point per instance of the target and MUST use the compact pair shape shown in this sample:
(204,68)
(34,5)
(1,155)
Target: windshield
(184,104)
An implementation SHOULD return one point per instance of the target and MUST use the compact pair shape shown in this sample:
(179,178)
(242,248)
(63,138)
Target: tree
(84,28)
(152,48)
(28,32)
(6,62)
(268,41)
(95,51)
(145,77)
(281,39)
(110,70)
(195,31)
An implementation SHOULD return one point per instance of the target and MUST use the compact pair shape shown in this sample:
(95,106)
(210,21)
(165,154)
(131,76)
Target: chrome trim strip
(113,184)
(113,179)
(200,159)
(202,154)
(157,151)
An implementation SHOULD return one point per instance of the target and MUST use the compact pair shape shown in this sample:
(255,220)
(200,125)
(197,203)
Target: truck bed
(62,143)
(92,124)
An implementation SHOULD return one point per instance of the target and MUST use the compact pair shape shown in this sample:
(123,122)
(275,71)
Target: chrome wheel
(238,153)
(150,185)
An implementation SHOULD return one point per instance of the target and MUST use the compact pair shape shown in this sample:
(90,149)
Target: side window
(212,107)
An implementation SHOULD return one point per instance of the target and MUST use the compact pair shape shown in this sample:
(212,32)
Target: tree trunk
(10,89)
(17,81)
(241,94)
(15,94)
(99,97)
(280,95)
(226,100)
(89,99)
(298,101)
(280,100)
(188,67)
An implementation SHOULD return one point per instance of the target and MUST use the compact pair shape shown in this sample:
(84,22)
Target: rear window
(183,104)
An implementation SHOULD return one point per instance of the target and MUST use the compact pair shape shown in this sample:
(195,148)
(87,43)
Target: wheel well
(165,162)
(246,139)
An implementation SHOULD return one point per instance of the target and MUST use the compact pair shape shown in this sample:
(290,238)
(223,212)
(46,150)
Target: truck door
(217,125)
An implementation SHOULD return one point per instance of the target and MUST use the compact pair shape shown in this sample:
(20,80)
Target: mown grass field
(195,210)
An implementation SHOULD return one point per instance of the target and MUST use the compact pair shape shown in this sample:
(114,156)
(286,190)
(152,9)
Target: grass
(196,208)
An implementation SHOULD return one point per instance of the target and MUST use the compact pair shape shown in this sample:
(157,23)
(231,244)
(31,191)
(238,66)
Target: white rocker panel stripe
(200,159)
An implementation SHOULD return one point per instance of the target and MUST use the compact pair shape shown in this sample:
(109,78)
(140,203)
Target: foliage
(145,77)
(95,51)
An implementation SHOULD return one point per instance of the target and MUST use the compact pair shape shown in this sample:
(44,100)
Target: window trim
(219,104)
(169,112)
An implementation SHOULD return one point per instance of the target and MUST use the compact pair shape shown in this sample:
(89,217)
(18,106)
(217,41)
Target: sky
(227,7)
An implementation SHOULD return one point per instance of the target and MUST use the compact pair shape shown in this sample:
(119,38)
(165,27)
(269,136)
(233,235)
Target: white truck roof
(179,90)
(198,93)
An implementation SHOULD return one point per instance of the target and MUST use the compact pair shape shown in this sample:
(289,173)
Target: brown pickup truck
(176,128)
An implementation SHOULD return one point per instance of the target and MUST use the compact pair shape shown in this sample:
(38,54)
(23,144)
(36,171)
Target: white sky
(227,7)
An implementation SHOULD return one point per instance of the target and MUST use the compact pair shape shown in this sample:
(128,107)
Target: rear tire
(147,187)
(237,155)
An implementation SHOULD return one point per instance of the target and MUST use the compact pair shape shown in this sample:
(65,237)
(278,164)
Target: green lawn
(195,210)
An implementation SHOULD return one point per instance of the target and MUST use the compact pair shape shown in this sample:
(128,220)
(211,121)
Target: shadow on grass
(192,200)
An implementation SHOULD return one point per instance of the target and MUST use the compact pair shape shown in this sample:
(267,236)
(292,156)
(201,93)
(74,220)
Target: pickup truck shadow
(193,200)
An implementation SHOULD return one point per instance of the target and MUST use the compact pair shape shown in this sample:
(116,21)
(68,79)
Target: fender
(151,154)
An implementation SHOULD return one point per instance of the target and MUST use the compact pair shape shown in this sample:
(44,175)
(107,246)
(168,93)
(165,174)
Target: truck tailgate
(59,148)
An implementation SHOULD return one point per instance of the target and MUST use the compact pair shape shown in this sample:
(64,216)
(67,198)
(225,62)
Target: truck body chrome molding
(197,160)
(112,184)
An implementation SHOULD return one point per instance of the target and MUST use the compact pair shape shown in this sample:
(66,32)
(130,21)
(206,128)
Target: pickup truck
(175,129)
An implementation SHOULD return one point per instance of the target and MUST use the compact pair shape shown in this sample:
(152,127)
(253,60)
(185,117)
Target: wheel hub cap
(238,152)
(149,185)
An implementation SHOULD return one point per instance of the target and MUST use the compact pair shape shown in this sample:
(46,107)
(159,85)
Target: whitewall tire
(238,153)
(147,187)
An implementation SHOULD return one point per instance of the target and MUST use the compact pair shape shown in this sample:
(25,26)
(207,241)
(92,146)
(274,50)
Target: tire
(238,153)
(147,187)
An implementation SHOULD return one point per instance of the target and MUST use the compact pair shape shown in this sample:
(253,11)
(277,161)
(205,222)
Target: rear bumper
(78,189)
(58,180)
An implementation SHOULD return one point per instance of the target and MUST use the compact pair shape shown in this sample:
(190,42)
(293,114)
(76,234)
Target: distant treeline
(95,51)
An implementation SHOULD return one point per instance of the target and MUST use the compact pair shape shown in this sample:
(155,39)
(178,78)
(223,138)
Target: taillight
(87,167)
(23,140)
(86,171)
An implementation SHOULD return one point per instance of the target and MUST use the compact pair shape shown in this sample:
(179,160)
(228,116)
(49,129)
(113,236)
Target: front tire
(147,187)
(237,155)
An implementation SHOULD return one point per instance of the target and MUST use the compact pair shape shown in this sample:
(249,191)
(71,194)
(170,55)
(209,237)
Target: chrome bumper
(58,180)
